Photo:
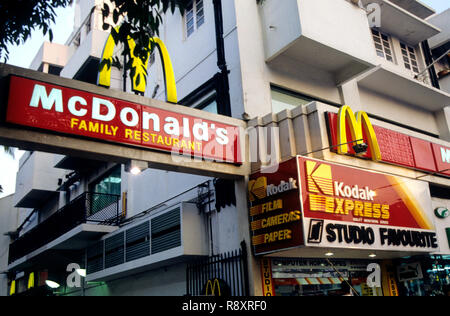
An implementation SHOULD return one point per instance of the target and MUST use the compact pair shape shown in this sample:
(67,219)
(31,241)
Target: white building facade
(290,64)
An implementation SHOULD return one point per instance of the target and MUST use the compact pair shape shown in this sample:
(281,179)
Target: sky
(23,55)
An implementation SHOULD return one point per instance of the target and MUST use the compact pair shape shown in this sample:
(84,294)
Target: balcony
(417,8)
(83,65)
(73,227)
(78,164)
(52,54)
(37,180)
(329,35)
(397,86)
(399,22)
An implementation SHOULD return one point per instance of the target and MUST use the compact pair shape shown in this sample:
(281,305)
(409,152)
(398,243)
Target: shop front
(321,277)
(321,228)
(424,275)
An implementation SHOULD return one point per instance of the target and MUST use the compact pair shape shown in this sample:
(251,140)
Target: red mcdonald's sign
(65,110)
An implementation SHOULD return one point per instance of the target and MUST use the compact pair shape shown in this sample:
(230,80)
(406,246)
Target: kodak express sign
(345,207)
(65,110)
(320,204)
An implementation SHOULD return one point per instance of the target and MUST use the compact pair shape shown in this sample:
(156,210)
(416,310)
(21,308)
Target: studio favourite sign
(346,207)
(66,110)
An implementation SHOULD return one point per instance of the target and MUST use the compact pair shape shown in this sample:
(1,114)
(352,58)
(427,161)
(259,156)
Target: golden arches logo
(138,84)
(211,287)
(358,125)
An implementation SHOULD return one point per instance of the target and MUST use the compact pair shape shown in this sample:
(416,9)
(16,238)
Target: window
(194,17)
(285,100)
(108,184)
(409,58)
(382,45)
(209,105)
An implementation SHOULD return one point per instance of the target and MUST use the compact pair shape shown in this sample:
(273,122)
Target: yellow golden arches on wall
(31,280)
(213,288)
(12,289)
(138,84)
(356,124)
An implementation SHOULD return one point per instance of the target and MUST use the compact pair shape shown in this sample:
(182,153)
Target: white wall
(168,281)
(398,111)
(442,225)
(8,222)
(442,21)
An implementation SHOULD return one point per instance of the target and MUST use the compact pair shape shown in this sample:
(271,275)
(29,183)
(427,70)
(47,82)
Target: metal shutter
(137,242)
(166,231)
(95,258)
(114,250)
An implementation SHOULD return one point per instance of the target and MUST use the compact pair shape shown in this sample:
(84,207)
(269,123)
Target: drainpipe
(429,60)
(222,83)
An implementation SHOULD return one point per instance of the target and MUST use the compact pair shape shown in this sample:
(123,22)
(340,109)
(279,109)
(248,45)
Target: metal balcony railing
(92,208)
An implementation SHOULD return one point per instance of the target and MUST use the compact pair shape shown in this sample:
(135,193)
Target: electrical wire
(340,274)
(162,204)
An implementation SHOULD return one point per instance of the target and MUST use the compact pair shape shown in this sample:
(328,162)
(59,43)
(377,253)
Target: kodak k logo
(320,179)
(257,188)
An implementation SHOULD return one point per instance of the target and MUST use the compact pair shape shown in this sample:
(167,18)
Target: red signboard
(316,203)
(340,193)
(403,150)
(275,210)
(65,110)
(345,207)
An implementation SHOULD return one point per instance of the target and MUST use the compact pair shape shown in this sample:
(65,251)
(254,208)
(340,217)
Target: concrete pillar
(349,93)
(318,131)
(301,130)
(287,135)
(272,140)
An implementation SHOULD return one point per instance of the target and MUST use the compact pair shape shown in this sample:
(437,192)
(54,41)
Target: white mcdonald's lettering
(138,81)
(105,111)
(445,155)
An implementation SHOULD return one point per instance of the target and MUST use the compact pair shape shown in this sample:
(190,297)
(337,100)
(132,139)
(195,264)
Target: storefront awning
(319,281)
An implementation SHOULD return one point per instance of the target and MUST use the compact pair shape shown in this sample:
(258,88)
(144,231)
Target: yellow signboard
(266,275)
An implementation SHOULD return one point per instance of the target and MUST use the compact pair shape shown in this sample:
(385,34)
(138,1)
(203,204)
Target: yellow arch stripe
(411,203)
(12,290)
(31,280)
(139,85)
(169,75)
(104,75)
(356,125)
